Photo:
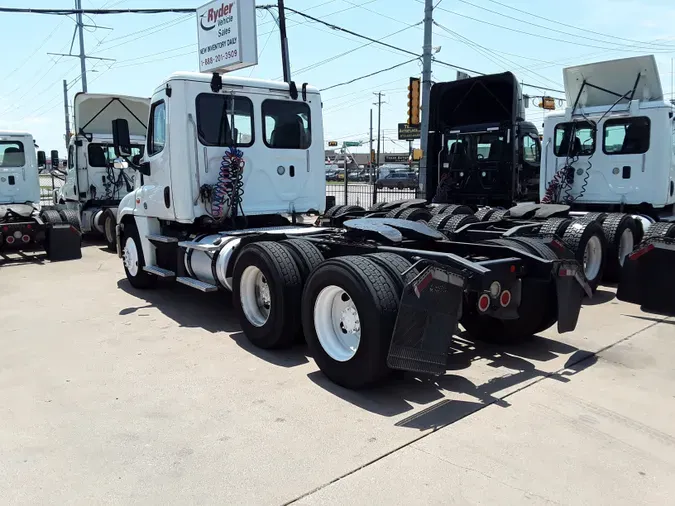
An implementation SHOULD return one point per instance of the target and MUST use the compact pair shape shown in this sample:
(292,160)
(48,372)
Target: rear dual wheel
(347,308)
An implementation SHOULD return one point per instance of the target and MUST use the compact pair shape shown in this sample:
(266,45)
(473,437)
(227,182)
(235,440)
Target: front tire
(109,224)
(134,261)
(349,308)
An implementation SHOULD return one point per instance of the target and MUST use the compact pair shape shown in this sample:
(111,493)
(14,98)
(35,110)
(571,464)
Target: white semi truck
(230,165)
(23,225)
(95,179)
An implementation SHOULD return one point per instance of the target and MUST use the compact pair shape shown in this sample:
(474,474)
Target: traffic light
(332,144)
(414,101)
(417,155)
(372,156)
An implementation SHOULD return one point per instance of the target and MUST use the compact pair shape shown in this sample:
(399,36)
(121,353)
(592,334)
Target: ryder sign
(227,35)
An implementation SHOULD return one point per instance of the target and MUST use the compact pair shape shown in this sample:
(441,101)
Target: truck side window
(582,143)
(12,154)
(531,150)
(214,114)
(157,128)
(626,136)
(71,157)
(286,124)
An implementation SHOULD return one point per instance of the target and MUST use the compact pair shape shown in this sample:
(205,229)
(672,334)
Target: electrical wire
(515,30)
(369,75)
(67,12)
(577,28)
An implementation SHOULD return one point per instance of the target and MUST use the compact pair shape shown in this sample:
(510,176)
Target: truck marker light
(10,239)
(505,298)
(5,228)
(25,238)
(484,302)
(637,254)
(513,268)
(29,227)
(422,285)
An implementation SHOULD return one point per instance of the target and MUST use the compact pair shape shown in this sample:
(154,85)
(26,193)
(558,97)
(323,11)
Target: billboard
(408,132)
(226,35)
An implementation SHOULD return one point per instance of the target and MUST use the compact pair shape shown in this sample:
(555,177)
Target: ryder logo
(210,18)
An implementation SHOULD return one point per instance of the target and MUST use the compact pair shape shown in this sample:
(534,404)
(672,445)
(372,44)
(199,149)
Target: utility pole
(426,90)
(65,107)
(83,57)
(285,60)
(377,157)
(370,150)
(79,30)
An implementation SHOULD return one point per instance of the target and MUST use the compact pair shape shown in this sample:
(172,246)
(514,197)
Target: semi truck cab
(481,150)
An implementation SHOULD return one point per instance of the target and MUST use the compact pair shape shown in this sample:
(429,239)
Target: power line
(370,75)
(577,28)
(375,41)
(68,12)
(511,29)
(539,26)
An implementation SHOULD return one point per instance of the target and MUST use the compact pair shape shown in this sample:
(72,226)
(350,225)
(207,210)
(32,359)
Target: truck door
(12,171)
(287,137)
(156,196)
(626,142)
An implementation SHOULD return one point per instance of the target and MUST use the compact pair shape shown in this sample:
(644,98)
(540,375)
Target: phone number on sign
(227,55)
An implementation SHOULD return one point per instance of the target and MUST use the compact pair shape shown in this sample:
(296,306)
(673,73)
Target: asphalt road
(109,395)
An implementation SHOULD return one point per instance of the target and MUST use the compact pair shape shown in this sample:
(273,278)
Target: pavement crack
(486,475)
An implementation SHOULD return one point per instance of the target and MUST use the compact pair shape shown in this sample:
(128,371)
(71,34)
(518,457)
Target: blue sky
(147,48)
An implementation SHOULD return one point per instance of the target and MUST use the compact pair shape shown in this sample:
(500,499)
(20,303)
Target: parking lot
(110,395)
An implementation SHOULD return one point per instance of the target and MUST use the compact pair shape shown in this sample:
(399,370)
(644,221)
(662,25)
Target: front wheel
(109,224)
(134,261)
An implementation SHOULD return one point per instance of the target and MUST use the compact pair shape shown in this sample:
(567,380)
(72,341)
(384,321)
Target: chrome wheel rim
(337,323)
(592,257)
(626,245)
(131,256)
(255,296)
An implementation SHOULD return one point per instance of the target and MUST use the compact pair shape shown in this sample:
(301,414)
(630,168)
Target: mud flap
(648,277)
(63,242)
(427,317)
(570,287)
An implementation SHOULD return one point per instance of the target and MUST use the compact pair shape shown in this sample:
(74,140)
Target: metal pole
(65,108)
(370,150)
(285,60)
(344,157)
(377,156)
(83,57)
(426,90)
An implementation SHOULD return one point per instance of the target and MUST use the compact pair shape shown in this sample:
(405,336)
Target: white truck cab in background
(19,177)
(96,180)
(617,137)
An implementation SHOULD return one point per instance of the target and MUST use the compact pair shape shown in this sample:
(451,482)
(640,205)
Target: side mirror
(55,159)
(144,169)
(41,159)
(121,139)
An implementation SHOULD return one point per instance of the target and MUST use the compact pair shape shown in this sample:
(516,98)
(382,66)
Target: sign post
(227,35)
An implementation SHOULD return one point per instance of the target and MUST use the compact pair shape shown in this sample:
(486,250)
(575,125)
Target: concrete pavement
(109,395)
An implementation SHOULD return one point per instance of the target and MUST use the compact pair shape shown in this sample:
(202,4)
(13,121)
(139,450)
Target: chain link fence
(48,183)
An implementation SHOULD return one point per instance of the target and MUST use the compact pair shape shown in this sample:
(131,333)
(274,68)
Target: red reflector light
(513,268)
(25,238)
(505,298)
(484,302)
(29,227)
(5,228)
(565,272)
(10,239)
(640,252)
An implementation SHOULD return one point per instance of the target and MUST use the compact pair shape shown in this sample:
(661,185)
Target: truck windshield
(478,147)
(103,155)
(12,154)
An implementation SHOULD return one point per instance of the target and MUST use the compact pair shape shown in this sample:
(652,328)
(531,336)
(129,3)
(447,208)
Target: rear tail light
(10,239)
(25,238)
(505,298)
(483,302)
